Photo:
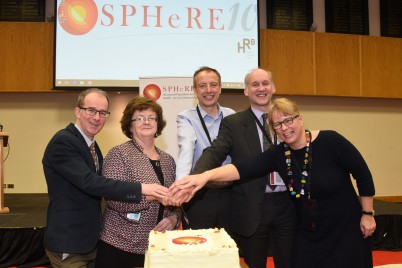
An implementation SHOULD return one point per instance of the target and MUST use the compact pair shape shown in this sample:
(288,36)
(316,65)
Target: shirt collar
(87,140)
(204,114)
(257,113)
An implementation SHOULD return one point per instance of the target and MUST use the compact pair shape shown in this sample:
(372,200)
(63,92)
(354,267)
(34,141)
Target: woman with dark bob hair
(141,103)
(126,226)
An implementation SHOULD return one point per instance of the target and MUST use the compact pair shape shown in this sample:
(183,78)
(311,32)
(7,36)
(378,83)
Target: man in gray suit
(259,212)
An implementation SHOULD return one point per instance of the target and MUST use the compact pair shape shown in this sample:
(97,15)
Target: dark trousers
(276,229)
(208,209)
(110,256)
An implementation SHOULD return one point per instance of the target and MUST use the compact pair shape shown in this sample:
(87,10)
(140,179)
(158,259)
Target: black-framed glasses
(287,122)
(143,119)
(93,112)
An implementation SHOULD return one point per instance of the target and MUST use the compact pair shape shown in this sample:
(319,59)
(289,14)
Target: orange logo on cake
(77,17)
(189,240)
(152,91)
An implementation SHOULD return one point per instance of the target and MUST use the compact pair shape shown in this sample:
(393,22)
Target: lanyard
(263,130)
(203,125)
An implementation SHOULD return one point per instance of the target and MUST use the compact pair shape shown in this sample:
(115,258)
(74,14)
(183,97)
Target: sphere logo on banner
(174,94)
(152,91)
(77,17)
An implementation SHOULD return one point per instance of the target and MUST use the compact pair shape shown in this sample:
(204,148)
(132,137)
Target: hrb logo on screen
(245,45)
(78,17)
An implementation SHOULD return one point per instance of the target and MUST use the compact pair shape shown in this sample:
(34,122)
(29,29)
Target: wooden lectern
(3,143)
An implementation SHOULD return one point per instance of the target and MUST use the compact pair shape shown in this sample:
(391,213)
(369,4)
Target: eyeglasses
(212,85)
(143,119)
(93,112)
(286,122)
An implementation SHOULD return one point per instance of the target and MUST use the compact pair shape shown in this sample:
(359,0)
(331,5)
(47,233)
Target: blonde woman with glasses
(333,226)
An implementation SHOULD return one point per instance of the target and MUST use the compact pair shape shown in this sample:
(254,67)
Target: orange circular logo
(189,240)
(77,17)
(152,91)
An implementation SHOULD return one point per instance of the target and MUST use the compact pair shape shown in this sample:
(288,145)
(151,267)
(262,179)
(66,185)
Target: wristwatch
(371,213)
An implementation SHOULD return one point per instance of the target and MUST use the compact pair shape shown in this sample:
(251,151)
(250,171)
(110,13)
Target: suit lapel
(251,133)
(85,148)
(252,140)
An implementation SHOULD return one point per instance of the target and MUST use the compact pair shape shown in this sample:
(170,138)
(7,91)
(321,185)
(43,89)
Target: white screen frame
(118,49)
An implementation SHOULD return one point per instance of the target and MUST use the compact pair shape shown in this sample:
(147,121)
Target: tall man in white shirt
(196,129)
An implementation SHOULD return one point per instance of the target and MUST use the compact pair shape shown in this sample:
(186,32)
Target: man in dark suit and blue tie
(259,212)
(75,185)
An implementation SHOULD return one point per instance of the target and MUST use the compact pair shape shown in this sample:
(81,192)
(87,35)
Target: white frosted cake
(191,248)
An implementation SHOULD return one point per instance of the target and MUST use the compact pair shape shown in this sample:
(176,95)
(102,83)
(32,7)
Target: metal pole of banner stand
(3,143)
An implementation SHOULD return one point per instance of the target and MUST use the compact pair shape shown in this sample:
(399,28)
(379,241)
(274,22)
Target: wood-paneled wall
(381,67)
(303,63)
(323,64)
(289,56)
(26,56)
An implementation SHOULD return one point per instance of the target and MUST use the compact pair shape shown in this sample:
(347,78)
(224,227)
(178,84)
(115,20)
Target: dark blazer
(75,193)
(238,137)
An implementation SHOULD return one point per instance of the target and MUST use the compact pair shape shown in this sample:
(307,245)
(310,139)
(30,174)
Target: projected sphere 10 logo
(77,17)
(152,91)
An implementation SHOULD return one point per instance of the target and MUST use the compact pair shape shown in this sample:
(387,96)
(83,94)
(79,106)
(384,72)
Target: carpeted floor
(381,259)
(387,257)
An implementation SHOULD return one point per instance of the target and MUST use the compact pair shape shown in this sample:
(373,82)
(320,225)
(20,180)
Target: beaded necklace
(305,179)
